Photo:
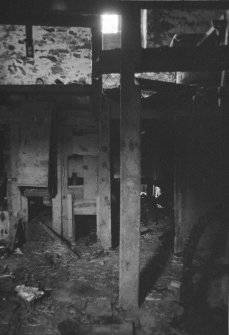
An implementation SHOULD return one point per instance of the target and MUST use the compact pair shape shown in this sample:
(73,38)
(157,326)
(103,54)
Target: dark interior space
(157,174)
(85,226)
(37,208)
(114,169)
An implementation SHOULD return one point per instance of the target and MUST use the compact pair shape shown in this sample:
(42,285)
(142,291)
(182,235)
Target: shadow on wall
(204,303)
(155,266)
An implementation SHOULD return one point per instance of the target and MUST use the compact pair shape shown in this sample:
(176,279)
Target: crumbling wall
(78,135)
(33,150)
(61,56)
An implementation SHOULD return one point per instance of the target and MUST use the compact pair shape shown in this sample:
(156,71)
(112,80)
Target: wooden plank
(130,173)
(103,220)
(104,183)
(12,9)
(24,207)
(181,190)
(85,207)
(166,59)
(13,193)
(57,201)
(70,216)
(85,90)
(54,18)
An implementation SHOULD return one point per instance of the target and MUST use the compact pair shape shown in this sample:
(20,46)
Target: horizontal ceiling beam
(54,18)
(44,7)
(166,59)
(163,86)
(78,90)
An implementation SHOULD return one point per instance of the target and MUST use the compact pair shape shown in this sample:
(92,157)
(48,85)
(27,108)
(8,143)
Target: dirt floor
(81,288)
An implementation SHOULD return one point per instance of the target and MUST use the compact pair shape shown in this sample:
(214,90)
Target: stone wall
(61,55)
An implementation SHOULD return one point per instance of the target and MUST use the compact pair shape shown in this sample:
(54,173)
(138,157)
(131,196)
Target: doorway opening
(39,207)
(85,227)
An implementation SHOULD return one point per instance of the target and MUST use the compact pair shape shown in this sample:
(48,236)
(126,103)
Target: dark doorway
(157,173)
(37,208)
(85,225)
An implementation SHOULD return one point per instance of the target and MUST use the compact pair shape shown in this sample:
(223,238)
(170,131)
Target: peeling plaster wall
(33,150)
(59,53)
(78,129)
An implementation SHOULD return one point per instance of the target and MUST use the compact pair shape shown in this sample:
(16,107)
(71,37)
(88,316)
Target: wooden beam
(104,183)
(101,112)
(53,18)
(43,7)
(163,86)
(130,174)
(80,90)
(166,59)
(70,217)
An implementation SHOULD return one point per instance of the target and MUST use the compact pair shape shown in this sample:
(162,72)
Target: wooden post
(130,173)
(57,201)
(70,216)
(104,185)
(13,193)
(24,207)
(101,111)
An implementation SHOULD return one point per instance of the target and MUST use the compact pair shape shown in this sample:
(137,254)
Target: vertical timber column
(57,201)
(130,172)
(14,201)
(104,186)
(101,110)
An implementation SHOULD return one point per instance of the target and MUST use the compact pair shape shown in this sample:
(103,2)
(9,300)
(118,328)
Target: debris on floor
(63,294)
(28,293)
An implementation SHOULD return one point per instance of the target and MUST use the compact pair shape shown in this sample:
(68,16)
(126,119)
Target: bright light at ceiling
(110,24)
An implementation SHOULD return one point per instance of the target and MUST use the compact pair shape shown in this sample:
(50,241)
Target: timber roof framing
(99,6)
(51,18)
(166,59)
(85,90)
(78,13)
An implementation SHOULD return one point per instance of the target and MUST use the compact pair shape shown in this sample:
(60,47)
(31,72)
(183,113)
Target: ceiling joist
(166,59)
(50,12)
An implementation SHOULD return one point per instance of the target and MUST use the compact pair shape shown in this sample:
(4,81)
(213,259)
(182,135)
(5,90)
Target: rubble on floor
(81,294)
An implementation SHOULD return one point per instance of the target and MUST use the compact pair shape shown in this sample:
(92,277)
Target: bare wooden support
(12,8)
(104,185)
(130,173)
(164,59)
(13,193)
(24,207)
(80,90)
(57,201)
(180,182)
(101,112)
(70,216)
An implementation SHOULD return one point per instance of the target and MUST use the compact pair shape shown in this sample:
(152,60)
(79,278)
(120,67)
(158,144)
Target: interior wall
(198,180)
(29,123)
(33,150)
(78,135)
(62,55)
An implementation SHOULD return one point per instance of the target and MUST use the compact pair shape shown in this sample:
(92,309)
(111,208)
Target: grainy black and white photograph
(114,167)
